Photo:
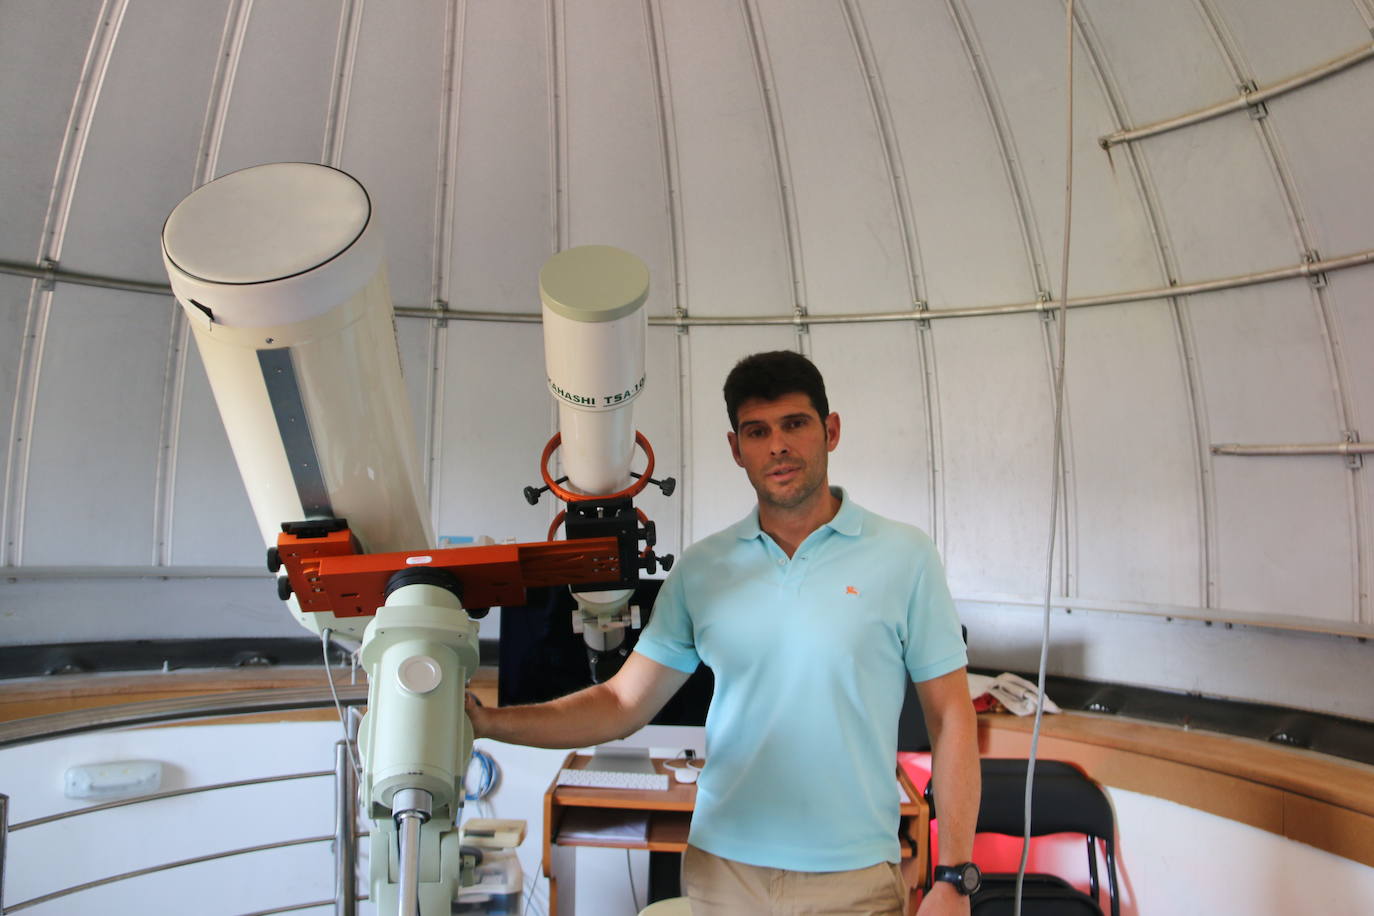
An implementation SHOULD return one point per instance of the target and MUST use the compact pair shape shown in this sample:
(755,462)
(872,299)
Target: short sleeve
(935,641)
(668,638)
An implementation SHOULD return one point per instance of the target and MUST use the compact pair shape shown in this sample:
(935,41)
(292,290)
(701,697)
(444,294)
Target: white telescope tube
(594,328)
(279,269)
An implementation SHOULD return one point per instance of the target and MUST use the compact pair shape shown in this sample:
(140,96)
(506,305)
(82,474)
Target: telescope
(280,272)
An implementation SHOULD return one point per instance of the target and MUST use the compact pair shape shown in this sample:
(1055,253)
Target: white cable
(338,707)
(1058,459)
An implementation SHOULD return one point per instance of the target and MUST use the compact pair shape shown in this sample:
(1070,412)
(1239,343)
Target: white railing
(344,837)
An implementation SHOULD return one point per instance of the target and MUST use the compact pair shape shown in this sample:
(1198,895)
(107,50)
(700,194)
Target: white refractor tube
(594,329)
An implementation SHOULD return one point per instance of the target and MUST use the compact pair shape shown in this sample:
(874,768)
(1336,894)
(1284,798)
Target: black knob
(283,587)
(477,613)
(649,533)
(667,561)
(273,560)
(532,495)
(667,485)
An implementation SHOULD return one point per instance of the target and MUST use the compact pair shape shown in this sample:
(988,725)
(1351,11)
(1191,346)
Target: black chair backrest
(1063,800)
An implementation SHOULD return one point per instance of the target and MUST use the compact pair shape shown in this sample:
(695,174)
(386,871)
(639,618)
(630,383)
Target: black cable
(629,869)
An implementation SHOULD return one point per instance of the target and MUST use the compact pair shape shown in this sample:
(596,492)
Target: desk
(668,814)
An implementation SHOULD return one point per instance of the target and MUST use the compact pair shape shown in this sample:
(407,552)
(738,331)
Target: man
(808,612)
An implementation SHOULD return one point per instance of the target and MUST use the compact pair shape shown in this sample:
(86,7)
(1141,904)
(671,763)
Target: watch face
(967,877)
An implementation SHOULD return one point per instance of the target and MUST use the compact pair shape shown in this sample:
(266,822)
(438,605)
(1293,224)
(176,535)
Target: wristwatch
(966,878)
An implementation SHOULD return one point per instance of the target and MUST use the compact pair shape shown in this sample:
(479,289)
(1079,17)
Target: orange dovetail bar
(328,574)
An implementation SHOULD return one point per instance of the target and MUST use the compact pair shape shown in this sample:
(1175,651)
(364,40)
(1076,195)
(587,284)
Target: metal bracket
(920,306)
(442,307)
(1258,110)
(1354,461)
(799,319)
(679,316)
(1043,297)
(1317,278)
(49,281)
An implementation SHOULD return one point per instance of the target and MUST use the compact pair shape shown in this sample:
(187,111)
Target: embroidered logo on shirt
(851,590)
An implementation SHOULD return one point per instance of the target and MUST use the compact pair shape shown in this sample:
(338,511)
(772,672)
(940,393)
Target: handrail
(298,906)
(39,728)
(170,793)
(150,869)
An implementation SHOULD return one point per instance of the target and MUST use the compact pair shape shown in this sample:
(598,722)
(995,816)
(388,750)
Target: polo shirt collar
(849,520)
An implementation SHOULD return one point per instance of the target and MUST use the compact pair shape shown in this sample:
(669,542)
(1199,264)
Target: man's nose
(777,443)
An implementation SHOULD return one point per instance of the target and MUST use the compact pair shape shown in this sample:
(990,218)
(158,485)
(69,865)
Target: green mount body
(419,652)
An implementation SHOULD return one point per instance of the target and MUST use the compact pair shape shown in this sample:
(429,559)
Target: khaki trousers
(722,887)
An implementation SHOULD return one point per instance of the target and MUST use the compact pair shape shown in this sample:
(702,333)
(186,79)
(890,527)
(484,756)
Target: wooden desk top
(677,797)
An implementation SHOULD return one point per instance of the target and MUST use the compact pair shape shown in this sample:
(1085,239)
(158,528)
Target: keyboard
(607,779)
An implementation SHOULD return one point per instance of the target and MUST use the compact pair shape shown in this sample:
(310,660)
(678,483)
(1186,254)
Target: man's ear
(832,432)
(733,439)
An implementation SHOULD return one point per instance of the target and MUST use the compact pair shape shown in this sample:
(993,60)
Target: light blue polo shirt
(809,656)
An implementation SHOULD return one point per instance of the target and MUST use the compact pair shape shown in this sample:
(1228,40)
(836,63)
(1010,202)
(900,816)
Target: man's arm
(956,775)
(603,712)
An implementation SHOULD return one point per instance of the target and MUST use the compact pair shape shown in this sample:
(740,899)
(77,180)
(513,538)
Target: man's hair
(771,375)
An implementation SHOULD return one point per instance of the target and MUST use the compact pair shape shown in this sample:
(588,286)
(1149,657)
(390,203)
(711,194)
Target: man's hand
(477,715)
(943,900)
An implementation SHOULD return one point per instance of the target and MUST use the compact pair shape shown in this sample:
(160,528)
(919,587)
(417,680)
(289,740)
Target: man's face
(783,446)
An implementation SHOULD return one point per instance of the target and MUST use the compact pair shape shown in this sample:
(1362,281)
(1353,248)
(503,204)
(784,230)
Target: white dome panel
(41,51)
(615,191)
(1111,245)
(876,381)
(94,452)
(733,233)
(275,78)
(1326,136)
(1302,565)
(138,158)
(503,180)
(961,200)
(492,370)
(1135,475)
(995,420)
(1275,39)
(1222,209)
(853,256)
(388,133)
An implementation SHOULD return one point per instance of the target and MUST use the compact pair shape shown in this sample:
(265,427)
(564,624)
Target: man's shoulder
(713,547)
(898,534)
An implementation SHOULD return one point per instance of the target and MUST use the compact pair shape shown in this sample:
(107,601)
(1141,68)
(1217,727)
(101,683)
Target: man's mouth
(784,474)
